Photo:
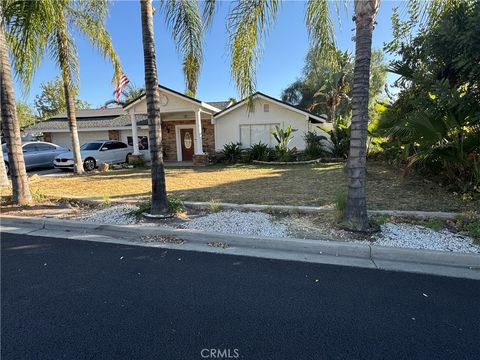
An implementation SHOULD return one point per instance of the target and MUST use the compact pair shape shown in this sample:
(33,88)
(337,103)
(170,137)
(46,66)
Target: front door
(186,139)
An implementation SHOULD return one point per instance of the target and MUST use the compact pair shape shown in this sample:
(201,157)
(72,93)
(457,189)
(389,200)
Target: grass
(311,185)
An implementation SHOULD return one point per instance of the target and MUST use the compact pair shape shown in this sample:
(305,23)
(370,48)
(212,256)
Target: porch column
(198,133)
(136,150)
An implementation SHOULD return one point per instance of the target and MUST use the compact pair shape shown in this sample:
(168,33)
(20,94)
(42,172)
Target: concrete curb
(321,247)
(319,210)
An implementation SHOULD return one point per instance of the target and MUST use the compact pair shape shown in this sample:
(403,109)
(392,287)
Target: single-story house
(191,128)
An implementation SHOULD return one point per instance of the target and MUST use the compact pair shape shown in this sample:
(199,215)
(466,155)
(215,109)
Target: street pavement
(86,300)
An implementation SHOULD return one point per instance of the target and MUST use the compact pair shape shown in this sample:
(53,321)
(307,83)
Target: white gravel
(419,237)
(241,223)
(112,215)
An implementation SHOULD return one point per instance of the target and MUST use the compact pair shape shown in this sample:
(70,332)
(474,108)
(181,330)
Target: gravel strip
(419,237)
(112,215)
(240,223)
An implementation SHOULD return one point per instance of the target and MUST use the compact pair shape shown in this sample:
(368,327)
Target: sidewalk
(316,251)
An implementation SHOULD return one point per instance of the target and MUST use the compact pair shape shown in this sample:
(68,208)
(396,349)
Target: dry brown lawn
(313,185)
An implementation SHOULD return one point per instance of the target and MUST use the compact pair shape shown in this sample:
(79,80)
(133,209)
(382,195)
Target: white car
(95,153)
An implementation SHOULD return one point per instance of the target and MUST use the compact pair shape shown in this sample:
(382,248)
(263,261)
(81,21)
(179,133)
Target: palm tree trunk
(355,216)
(64,58)
(3,172)
(159,192)
(333,114)
(11,129)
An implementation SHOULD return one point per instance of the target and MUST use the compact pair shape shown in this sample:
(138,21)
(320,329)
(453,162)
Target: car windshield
(91,146)
(4,147)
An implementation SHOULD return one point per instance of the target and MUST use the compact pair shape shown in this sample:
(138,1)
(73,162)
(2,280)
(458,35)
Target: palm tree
(86,17)
(331,93)
(184,20)
(159,192)
(355,215)
(11,127)
(249,21)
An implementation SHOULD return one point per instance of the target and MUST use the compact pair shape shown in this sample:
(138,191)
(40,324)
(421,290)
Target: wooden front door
(186,139)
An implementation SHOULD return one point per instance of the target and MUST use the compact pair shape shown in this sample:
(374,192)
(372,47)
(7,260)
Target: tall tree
(355,215)
(159,192)
(51,100)
(248,23)
(187,23)
(25,115)
(85,17)
(11,128)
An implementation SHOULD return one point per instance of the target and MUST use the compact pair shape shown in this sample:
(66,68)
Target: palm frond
(89,18)
(208,11)
(248,23)
(184,20)
(27,25)
(321,29)
(63,51)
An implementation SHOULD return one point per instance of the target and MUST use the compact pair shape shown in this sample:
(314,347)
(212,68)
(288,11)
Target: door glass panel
(187,140)
(30,148)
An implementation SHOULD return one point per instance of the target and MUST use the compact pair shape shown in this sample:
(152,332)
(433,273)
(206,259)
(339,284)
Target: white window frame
(254,124)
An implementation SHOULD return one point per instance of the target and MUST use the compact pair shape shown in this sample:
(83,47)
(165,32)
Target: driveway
(77,300)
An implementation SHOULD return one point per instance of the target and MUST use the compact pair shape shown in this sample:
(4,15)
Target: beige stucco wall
(227,127)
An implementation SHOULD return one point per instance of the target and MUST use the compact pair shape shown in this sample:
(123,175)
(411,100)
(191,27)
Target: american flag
(122,83)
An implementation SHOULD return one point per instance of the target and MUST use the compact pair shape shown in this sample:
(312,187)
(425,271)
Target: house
(191,128)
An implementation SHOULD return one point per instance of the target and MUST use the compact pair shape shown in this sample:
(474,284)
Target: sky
(282,61)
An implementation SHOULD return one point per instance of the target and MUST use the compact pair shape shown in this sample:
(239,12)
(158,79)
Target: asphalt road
(83,300)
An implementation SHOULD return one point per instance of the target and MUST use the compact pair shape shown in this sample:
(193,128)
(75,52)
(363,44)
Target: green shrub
(380,219)
(470,225)
(473,230)
(175,206)
(340,202)
(138,163)
(284,154)
(316,146)
(434,224)
(38,196)
(340,137)
(214,206)
(284,137)
(106,200)
(232,152)
(260,152)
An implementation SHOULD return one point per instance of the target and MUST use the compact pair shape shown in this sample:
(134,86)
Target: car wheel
(7,168)
(89,164)
(126,159)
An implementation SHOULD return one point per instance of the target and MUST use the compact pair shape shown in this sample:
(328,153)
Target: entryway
(185,142)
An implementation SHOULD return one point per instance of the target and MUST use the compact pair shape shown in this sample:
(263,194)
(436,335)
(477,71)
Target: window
(30,148)
(266,107)
(45,147)
(91,146)
(114,145)
(142,142)
(253,134)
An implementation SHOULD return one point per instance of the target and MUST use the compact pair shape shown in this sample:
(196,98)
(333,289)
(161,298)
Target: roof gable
(263,96)
(175,94)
